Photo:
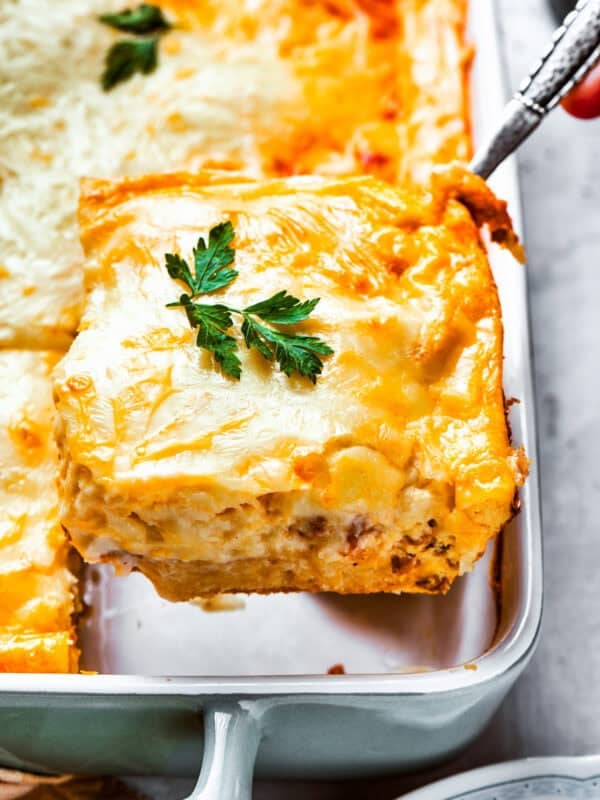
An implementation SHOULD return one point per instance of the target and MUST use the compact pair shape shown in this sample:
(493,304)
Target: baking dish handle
(231,737)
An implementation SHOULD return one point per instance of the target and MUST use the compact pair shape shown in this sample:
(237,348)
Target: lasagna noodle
(36,585)
(390,474)
(269,87)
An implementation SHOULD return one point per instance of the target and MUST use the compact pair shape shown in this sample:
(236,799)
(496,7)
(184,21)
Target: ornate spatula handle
(574,50)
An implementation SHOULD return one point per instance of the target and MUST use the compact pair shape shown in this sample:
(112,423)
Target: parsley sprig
(143,19)
(128,56)
(296,353)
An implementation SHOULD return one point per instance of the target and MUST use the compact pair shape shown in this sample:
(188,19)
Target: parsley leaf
(217,315)
(211,262)
(283,309)
(296,353)
(129,56)
(178,269)
(126,58)
(212,322)
(251,333)
(145,18)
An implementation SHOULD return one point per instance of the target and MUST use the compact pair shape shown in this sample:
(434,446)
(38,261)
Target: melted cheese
(36,586)
(274,481)
(268,86)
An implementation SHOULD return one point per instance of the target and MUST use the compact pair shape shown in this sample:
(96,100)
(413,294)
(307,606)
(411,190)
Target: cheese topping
(165,457)
(271,87)
(36,585)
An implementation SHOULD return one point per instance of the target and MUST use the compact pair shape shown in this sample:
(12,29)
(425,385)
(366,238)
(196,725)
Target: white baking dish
(424,674)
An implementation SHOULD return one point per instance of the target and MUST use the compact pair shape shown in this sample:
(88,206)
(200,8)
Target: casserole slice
(390,473)
(36,584)
(267,87)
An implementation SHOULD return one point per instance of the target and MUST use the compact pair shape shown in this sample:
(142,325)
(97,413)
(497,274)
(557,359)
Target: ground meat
(309,526)
(401,564)
(360,526)
(433,583)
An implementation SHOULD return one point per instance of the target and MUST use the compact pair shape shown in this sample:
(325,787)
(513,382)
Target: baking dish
(424,674)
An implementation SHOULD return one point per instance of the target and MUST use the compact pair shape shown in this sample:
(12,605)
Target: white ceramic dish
(529,779)
(133,632)
(424,674)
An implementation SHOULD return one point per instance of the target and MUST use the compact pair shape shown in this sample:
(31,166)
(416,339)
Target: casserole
(315,724)
(269,99)
(234,88)
(389,472)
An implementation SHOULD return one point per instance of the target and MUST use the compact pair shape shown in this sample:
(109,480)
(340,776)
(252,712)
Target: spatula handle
(574,50)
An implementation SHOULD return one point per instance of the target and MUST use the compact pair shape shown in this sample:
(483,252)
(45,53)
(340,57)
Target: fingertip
(584,101)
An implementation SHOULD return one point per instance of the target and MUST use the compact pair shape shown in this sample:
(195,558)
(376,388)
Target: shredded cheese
(56,125)
(269,87)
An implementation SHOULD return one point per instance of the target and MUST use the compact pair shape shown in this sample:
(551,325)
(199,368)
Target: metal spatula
(574,50)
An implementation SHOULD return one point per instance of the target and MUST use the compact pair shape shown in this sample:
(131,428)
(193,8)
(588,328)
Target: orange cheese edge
(37,587)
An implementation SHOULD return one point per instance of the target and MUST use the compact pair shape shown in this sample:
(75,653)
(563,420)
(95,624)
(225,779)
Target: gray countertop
(555,707)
